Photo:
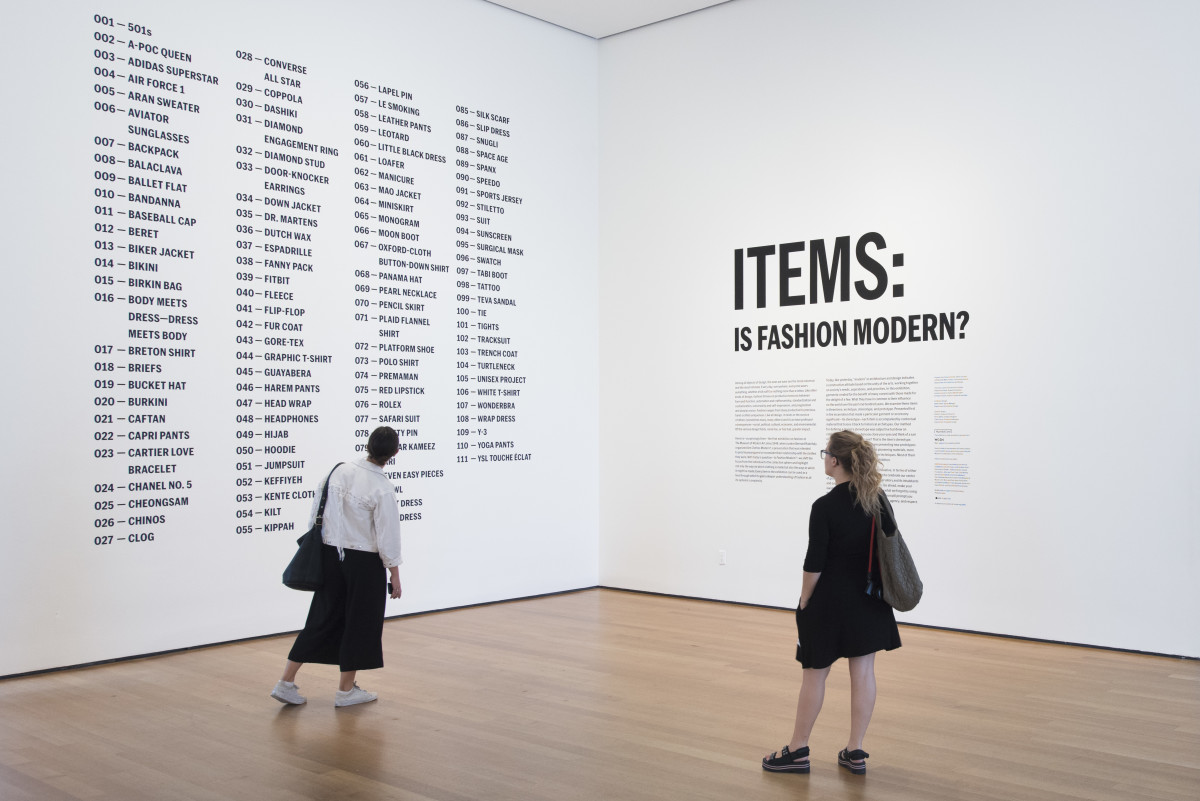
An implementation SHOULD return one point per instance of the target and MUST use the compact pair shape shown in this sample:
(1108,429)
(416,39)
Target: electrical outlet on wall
(721,557)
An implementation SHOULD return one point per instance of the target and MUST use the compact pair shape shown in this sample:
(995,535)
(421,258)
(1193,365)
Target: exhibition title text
(765,267)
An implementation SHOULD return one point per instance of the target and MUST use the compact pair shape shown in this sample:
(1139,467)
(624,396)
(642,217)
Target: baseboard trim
(491,603)
(919,625)
(185,649)
(168,652)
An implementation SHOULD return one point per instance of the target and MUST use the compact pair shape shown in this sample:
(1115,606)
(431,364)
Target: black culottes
(345,620)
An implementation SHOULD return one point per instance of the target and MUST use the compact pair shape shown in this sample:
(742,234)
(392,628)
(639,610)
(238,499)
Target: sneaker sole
(283,700)
(340,704)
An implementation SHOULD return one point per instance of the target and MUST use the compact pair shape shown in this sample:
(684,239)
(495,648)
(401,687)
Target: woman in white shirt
(361,532)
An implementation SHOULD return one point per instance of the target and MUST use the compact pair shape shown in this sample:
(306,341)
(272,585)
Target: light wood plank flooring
(604,694)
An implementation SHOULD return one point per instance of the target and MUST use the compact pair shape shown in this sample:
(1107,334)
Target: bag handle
(887,504)
(325,496)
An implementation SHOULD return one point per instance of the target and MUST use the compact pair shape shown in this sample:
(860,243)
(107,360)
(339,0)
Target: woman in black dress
(836,618)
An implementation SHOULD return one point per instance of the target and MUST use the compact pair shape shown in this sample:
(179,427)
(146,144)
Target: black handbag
(304,572)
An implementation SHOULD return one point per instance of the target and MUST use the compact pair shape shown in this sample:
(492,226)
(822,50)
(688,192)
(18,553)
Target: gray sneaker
(286,692)
(355,695)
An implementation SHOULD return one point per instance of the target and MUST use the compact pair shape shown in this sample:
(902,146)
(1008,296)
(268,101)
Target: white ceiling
(600,18)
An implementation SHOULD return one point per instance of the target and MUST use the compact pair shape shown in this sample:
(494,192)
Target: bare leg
(290,669)
(808,706)
(862,698)
(346,681)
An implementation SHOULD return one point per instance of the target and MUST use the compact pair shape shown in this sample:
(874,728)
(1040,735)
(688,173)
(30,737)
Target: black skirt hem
(842,656)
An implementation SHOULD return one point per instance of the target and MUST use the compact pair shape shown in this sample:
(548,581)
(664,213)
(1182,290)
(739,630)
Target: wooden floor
(606,695)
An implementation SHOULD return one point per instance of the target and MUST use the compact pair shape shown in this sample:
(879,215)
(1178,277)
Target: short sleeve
(818,539)
(386,521)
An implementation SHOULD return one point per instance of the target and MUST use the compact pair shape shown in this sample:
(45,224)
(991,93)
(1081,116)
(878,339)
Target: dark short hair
(383,444)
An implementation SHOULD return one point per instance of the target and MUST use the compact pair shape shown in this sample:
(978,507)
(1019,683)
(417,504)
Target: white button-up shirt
(361,512)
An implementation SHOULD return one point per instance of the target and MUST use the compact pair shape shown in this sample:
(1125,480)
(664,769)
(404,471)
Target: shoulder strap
(325,496)
(891,513)
(871,552)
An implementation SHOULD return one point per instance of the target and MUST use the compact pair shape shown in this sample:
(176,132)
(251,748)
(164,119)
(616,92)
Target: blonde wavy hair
(857,456)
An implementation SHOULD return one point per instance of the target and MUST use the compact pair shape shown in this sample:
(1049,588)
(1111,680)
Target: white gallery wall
(999,208)
(238,236)
(1035,168)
